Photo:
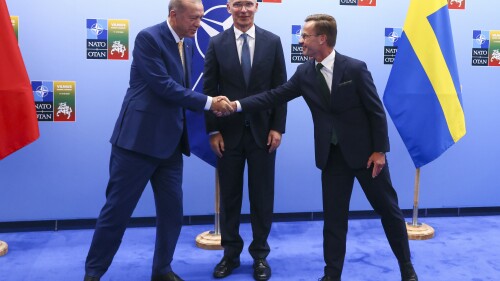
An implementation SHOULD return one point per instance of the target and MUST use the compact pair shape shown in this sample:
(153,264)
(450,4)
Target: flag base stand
(421,231)
(4,248)
(416,230)
(209,240)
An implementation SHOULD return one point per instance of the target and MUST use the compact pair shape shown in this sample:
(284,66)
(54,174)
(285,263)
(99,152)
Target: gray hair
(178,5)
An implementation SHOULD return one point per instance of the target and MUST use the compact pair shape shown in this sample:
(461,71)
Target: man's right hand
(217,144)
(221,106)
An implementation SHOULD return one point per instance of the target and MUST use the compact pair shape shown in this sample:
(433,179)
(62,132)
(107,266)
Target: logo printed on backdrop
(456,4)
(371,3)
(107,39)
(15,24)
(392,36)
(215,20)
(486,48)
(494,50)
(54,100)
(296,48)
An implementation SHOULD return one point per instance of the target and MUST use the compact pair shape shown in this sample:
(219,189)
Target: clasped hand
(222,106)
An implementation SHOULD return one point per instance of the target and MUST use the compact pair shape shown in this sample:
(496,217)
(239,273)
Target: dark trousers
(337,181)
(261,195)
(129,175)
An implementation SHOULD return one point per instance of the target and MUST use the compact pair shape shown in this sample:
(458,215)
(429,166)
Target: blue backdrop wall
(63,175)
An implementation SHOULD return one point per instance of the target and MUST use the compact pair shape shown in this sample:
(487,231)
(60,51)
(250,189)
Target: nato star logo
(42,91)
(97,29)
(393,37)
(480,39)
(215,21)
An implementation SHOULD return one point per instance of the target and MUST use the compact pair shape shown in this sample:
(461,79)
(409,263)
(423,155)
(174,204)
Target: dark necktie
(325,91)
(323,86)
(246,65)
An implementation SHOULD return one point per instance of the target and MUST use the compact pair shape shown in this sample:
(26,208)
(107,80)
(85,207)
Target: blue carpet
(463,249)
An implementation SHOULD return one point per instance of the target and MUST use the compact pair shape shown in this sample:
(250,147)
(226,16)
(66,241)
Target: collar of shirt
(176,37)
(328,62)
(250,32)
(250,40)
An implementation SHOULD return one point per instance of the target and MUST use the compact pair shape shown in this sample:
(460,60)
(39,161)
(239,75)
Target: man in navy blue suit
(241,61)
(149,139)
(351,139)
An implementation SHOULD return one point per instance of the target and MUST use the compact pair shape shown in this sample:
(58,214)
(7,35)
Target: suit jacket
(151,119)
(223,76)
(354,109)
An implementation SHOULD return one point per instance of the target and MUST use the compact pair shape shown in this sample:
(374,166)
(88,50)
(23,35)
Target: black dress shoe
(171,276)
(91,278)
(328,278)
(407,272)
(261,270)
(225,267)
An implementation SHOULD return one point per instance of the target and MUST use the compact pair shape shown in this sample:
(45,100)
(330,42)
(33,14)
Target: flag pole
(211,240)
(416,230)
(4,248)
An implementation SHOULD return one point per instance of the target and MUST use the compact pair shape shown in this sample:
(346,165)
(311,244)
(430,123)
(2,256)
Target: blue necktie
(246,65)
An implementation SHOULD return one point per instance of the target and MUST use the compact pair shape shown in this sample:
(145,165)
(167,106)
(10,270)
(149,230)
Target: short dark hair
(325,24)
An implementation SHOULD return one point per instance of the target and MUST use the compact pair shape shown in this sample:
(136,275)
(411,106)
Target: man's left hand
(273,140)
(378,161)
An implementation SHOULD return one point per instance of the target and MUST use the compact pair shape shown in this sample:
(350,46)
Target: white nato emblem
(42,91)
(97,28)
(213,19)
(480,39)
(393,36)
(205,26)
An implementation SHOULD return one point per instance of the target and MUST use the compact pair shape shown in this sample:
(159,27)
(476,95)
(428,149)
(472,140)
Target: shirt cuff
(238,106)
(209,103)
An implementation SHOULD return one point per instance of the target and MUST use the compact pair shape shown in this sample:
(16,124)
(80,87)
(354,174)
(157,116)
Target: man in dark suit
(242,61)
(351,139)
(149,138)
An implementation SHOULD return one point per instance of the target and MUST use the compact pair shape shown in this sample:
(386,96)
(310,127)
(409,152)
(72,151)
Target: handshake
(222,106)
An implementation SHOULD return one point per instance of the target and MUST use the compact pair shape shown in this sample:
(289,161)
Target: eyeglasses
(305,36)
(240,5)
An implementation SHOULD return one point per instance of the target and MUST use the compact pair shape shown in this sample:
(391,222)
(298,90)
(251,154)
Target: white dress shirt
(250,40)
(327,69)
(208,104)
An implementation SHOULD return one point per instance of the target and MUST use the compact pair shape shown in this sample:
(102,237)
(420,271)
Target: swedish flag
(423,93)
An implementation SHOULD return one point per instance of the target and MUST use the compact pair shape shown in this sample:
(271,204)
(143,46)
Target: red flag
(18,120)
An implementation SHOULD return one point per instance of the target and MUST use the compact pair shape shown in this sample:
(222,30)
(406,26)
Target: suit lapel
(229,44)
(188,54)
(310,73)
(338,69)
(171,46)
(258,52)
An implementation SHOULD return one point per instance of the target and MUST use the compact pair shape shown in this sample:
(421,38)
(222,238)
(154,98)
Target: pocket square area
(345,83)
